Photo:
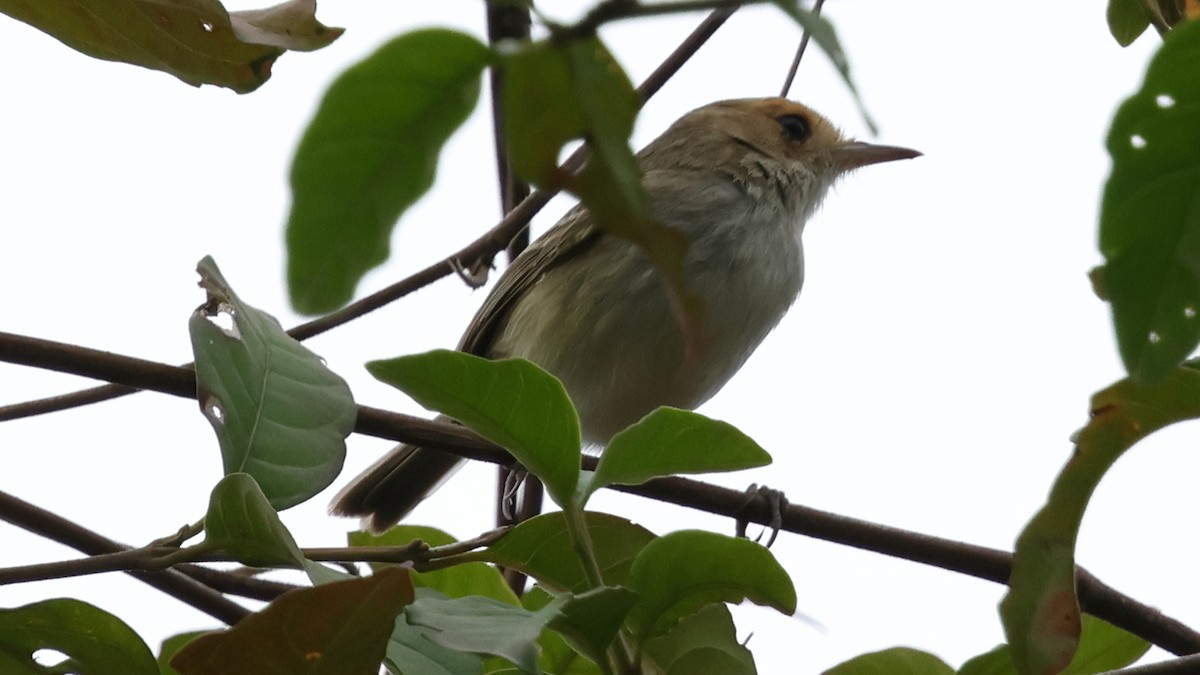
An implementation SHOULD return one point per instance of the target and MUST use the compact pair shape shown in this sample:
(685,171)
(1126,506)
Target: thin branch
(791,76)
(172,582)
(484,247)
(985,563)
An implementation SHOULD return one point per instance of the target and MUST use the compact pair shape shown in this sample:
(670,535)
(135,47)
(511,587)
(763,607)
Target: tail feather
(389,490)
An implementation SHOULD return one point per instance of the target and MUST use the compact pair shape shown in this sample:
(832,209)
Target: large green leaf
(338,628)
(170,647)
(369,153)
(680,573)
(510,402)
(1041,610)
(241,521)
(197,41)
(1150,213)
(541,548)
(95,642)
(280,415)
(669,441)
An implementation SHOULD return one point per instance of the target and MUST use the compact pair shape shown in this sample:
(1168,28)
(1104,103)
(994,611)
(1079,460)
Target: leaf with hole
(279,413)
(241,521)
(94,641)
(1150,213)
(510,402)
(197,41)
(369,153)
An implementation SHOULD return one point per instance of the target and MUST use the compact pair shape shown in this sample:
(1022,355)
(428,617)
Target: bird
(738,179)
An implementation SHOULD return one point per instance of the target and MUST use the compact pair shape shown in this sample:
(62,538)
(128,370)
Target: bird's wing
(571,236)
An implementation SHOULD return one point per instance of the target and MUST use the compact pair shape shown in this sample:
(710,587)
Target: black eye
(794,127)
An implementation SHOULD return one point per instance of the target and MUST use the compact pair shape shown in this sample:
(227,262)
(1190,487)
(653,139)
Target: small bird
(738,179)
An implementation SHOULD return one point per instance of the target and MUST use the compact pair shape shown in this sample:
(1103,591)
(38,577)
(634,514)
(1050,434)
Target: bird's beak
(856,154)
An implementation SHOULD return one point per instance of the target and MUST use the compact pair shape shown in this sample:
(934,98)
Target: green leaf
(511,402)
(280,415)
(555,91)
(469,578)
(197,41)
(1150,213)
(995,662)
(168,649)
(485,626)
(894,661)
(591,620)
(1104,647)
(1041,610)
(1127,20)
(680,573)
(541,548)
(96,642)
(410,651)
(704,643)
(822,33)
(557,654)
(340,627)
(670,441)
(369,153)
(242,522)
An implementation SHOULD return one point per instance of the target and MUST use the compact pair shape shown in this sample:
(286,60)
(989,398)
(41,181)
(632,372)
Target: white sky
(942,352)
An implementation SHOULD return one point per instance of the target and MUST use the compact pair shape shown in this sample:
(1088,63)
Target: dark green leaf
(670,441)
(96,642)
(279,413)
(511,402)
(470,578)
(241,521)
(591,620)
(703,643)
(1150,213)
(485,626)
(894,661)
(557,655)
(197,41)
(541,548)
(1127,20)
(369,153)
(338,628)
(1041,610)
(540,110)
(680,573)
(822,33)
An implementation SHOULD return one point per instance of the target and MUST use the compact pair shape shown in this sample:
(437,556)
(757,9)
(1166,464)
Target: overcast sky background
(941,354)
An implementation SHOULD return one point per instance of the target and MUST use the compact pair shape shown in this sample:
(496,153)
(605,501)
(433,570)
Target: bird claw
(512,488)
(474,276)
(776,500)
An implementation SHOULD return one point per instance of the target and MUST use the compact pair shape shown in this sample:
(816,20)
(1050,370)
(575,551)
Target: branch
(985,563)
(484,247)
(172,582)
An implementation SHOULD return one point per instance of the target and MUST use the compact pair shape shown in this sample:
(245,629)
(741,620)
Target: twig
(985,563)
(172,582)
(791,76)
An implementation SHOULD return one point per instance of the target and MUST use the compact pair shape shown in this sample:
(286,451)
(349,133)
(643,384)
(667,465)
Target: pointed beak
(856,154)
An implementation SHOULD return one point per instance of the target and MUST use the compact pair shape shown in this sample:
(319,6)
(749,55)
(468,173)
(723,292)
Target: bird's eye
(795,127)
